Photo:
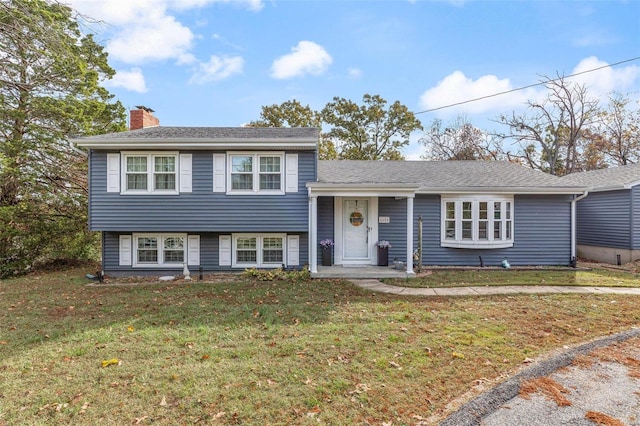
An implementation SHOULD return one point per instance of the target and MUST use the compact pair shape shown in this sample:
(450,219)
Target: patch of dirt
(547,387)
(602,419)
(179,279)
(633,267)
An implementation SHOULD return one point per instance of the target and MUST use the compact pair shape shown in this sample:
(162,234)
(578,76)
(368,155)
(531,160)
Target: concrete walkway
(376,285)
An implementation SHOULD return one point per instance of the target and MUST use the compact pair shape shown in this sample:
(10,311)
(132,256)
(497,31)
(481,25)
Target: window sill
(155,265)
(255,265)
(236,192)
(479,245)
(149,193)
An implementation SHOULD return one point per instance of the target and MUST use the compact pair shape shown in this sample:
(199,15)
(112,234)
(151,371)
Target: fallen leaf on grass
(395,365)
(163,403)
(141,419)
(112,361)
(457,355)
(130,329)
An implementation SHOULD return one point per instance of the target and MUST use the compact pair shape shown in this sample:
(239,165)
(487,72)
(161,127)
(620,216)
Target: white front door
(355,229)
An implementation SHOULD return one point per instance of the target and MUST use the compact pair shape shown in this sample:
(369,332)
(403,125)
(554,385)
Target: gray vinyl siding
(208,256)
(325,221)
(605,219)
(635,218)
(396,230)
(542,234)
(542,231)
(202,210)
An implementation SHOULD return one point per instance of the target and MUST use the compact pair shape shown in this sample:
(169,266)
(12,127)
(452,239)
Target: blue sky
(216,62)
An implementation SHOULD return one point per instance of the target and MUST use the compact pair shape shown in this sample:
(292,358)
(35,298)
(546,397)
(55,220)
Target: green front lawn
(497,277)
(277,353)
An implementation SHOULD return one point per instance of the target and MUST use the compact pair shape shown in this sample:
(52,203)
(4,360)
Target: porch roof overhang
(503,190)
(362,189)
(412,189)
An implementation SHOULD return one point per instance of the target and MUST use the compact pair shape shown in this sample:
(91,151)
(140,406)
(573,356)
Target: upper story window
(479,222)
(261,173)
(150,173)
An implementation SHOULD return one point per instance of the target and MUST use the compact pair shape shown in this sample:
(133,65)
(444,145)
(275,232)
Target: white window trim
(474,242)
(259,246)
(160,264)
(256,173)
(150,172)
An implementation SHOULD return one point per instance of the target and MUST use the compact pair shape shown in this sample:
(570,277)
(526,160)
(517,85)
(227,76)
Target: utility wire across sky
(526,87)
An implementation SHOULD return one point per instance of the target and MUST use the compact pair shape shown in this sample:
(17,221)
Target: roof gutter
(574,201)
(503,190)
(195,143)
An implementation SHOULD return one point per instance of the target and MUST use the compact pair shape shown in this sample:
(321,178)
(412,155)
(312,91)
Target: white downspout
(313,233)
(410,272)
(573,223)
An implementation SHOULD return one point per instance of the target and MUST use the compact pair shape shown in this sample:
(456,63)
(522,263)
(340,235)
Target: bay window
(478,222)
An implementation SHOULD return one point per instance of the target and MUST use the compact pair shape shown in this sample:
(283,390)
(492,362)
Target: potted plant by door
(383,252)
(327,247)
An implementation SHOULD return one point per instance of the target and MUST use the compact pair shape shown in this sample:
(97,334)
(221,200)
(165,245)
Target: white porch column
(410,237)
(313,234)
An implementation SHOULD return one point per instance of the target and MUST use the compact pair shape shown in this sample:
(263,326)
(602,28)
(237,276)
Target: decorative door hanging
(356,218)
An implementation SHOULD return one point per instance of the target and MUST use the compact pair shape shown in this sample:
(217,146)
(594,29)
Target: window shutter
(113,172)
(125,250)
(292,172)
(185,172)
(219,173)
(293,250)
(193,250)
(224,250)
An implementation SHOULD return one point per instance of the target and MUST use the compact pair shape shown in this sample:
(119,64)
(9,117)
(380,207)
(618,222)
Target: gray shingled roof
(612,178)
(446,175)
(210,133)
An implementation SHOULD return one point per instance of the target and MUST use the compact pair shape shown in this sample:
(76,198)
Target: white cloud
(159,38)
(456,87)
(253,5)
(132,80)
(218,68)
(305,58)
(602,82)
(354,73)
(146,30)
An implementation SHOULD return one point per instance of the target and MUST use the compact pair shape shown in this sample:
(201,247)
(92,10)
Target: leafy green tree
(50,74)
(369,131)
(293,114)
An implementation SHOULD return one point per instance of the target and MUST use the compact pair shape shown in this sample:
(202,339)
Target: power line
(526,87)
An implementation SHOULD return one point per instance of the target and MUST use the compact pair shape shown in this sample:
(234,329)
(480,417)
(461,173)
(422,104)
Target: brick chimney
(142,117)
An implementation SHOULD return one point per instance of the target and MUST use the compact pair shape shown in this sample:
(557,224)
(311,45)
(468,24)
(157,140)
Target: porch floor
(360,271)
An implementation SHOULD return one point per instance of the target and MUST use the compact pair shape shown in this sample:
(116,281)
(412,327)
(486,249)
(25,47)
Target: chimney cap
(144,108)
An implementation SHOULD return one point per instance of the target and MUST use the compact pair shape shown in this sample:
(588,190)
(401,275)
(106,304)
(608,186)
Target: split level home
(226,199)
(608,218)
